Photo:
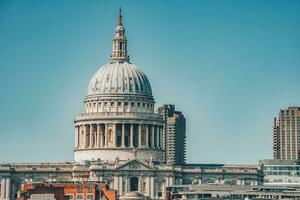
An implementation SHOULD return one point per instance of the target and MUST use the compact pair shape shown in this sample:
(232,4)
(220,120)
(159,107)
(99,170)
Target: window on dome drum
(99,103)
(138,104)
(105,103)
(94,105)
(144,105)
(148,105)
(126,103)
(119,103)
(112,103)
(132,104)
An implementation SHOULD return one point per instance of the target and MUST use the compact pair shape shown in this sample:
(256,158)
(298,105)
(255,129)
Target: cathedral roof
(119,78)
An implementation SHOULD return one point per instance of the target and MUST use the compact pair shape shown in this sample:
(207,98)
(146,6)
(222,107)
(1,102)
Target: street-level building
(281,172)
(231,192)
(119,139)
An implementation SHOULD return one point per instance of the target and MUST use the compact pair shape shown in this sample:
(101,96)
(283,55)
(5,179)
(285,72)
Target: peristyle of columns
(5,188)
(92,136)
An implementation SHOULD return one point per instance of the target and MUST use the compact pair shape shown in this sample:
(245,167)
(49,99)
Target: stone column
(85,136)
(98,136)
(116,183)
(167,181)
(115,135)
(76,137)
(148,186)
(152,187)
(120,185)
(140,134)
(101,135)
(147,136)
(131,135)
(157,137)
(7,188)
(123,135)
(91,135)
(140,184)
(152,137)
(126,185)
(2,192)
(106,135)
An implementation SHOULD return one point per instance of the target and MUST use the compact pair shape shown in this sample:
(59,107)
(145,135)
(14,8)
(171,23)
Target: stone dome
(119,78)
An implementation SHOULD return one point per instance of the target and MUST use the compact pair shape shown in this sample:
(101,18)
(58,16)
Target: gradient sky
(230,66)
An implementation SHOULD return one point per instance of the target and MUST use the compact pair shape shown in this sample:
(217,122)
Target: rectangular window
(89,196)
(132,104)
(126,103)
(112,103)
(70,196)
(79,188)
(119,103)
(79,197)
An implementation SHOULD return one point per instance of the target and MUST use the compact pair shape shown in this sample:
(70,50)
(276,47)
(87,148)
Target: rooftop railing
(107,115)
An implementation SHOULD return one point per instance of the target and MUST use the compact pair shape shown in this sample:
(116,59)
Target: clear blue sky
(228,65)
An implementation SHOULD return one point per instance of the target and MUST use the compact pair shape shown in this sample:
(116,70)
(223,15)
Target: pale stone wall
(110,154)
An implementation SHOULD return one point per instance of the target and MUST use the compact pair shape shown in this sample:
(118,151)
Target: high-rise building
(174,134)
(286,134)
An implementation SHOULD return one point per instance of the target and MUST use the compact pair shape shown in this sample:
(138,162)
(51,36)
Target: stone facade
(147,178)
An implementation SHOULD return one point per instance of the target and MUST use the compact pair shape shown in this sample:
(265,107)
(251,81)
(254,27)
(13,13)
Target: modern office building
(280,172)
(174,130)
(286,134)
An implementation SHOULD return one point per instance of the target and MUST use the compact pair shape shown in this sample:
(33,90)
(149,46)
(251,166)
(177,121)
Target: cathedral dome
(119,78)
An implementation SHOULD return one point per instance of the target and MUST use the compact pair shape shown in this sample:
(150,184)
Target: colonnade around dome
(118,135)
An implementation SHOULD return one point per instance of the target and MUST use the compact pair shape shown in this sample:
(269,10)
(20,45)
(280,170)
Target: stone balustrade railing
(107,115)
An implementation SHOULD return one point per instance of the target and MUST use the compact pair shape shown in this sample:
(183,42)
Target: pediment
(134,165)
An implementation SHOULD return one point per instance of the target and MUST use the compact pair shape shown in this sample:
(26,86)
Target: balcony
(118,115)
